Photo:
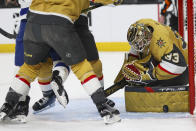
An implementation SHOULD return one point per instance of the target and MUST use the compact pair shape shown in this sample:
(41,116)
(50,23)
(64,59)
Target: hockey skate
(44,103)
(19,112)
(109,114)
(58,88)
(110,102)
(4,111)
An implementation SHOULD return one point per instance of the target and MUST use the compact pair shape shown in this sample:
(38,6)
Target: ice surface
(81,114)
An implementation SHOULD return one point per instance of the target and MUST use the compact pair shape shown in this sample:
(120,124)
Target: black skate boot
(11,99)
(109,102)
(45,103)
(58,88)
(20,111)
(5,110)
(107,112)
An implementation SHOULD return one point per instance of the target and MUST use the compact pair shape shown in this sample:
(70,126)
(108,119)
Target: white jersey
(24,8)
(24,3)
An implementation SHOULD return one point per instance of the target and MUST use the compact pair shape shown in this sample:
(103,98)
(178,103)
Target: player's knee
(83,70)
(29,72)
(45,73)
(97,67)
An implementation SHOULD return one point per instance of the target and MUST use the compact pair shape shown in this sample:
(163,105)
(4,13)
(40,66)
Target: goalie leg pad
(157,99)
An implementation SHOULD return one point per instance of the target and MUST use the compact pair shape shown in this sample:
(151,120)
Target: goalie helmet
(139,36)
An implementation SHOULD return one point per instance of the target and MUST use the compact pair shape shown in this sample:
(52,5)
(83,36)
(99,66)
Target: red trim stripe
(100,78)
(44,83)
(23,80)
(133,55)
(149,89)
(17,76)
(88,79)
(166,70)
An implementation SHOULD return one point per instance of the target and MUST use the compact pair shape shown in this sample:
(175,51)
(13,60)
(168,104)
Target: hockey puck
(165,108)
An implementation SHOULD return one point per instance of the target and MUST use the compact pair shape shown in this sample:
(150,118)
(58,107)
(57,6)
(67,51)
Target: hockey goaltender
(156,69)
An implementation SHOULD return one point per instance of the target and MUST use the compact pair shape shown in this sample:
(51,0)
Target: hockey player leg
(97,68)
(91,84)
(108,113)
(47,101)
(59,75)
(109,101)
(49,98)
(20,111)
(18,90)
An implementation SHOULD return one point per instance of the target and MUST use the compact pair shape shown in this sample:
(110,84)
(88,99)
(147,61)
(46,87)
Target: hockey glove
(128,58)
(138,72)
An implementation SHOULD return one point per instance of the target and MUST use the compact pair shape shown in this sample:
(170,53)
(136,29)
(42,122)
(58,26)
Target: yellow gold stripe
(102,46)
(113,46)
(7,48)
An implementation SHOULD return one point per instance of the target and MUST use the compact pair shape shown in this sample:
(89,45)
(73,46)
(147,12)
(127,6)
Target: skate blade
(61,99)
(2,116)
(110,120)
(44,109)
(19,119)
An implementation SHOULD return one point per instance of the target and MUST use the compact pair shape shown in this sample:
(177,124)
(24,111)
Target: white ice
(81,114)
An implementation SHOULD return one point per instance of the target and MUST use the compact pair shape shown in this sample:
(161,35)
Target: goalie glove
(128,58)
(138,72)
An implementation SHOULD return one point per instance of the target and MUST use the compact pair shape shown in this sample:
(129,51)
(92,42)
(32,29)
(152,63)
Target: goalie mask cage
(186,20)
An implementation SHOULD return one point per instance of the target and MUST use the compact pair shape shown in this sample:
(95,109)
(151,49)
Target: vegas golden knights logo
(160,43)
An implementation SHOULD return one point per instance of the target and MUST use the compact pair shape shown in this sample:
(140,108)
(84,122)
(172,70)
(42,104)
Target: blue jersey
(19,48)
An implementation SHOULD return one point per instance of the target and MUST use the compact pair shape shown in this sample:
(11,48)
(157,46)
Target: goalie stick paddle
(117,86)
(142,87)
(6,34)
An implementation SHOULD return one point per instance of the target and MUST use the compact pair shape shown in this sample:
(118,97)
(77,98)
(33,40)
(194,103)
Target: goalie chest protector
(157,99)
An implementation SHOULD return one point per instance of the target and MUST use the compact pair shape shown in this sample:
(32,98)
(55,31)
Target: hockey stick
(6,34)
(160,88)
(92,7)
(121,84)
(117,86)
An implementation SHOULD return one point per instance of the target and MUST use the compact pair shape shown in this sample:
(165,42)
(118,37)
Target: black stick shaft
(6,34)
(112,89)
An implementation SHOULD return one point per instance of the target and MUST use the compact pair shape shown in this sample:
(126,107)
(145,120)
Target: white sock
(91,84)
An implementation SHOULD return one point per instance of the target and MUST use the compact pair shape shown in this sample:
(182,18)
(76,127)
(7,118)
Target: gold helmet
(139,36)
